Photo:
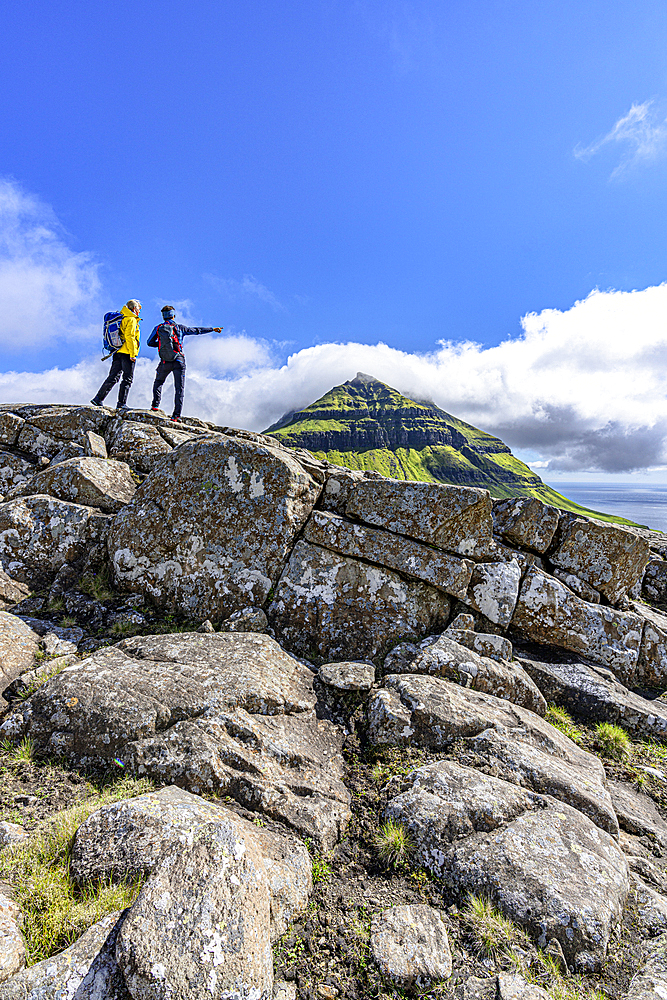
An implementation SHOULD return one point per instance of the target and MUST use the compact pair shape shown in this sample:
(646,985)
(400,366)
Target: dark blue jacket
(179,332)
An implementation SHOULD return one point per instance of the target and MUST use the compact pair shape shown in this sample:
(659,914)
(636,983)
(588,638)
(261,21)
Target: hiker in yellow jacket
(122,363)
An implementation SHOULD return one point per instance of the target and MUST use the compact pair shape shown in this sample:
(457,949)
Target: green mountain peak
(366,424)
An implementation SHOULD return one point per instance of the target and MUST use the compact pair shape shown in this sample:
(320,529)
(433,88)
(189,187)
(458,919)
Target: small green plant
(614,740)
(494,934)
(68,622)
(57,604)
(322,870)
(393,843)
(561,719)
(17,753)
(123,628)
(97,586)
(380,774)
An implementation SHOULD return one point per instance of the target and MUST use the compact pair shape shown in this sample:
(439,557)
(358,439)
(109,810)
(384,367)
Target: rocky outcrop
(93,482)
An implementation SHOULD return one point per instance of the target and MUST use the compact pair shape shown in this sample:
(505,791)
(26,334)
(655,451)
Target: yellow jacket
(129,327)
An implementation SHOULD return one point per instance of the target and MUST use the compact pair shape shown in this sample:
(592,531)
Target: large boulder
(129,839)
(547,612)
(593,693)
(139,444)
(414,559)
(526,522)
(606,556)
(333,607)
(18,646)
(453,518)
(39,534)
(227,713)
(447,658)
(410,945)
(544,864)
(93,482)
(210,530)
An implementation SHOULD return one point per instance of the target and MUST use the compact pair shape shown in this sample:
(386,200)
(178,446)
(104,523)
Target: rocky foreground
(334,693)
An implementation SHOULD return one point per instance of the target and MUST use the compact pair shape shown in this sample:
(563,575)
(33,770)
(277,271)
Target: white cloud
(248,286)
(582,388)
(48,292)
(642,131)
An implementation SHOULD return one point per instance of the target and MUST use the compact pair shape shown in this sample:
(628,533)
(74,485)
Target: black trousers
(177,366)
(121,365)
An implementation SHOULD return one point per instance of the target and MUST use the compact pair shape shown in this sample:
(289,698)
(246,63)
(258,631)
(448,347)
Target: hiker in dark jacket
(168,338)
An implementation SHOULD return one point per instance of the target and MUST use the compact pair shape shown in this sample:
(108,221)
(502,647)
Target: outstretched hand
(217,329)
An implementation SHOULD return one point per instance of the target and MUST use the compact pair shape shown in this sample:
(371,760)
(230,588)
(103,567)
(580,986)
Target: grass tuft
(614,740)
(393,843)
(55,911)
(97,586)
(561,719)
(494,934)
(17,753)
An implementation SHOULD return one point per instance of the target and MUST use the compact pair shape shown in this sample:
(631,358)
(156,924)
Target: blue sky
(325,177)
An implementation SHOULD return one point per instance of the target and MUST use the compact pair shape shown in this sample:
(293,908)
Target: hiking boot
(122,409)
(156,409)
(94,402)
(174,420)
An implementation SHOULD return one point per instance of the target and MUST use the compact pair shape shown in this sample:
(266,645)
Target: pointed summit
(366,424)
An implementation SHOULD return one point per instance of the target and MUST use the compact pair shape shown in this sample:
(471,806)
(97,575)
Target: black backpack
(168,343)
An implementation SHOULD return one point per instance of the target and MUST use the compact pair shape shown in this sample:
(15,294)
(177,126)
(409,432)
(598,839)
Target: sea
(642,503)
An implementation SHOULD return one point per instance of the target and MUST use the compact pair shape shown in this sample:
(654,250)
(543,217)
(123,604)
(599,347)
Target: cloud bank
(580,389)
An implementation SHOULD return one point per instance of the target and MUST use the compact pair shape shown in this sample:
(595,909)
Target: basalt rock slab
(526,522)
(547,612)
(410,945)
(226,713)
(593,693)
(332,607)
(447,658)
(604,555)
(200,927)
(39,534)
(93,482)
(652,664)
(577,778)
(637,812)
(496,647)
(71,423)
(442,570)
(11,592)
(129,839)
(209,531)
(650,982)
(37,442)
(87,970)
(494,589)
(10,427)
(454,518)
(654,583)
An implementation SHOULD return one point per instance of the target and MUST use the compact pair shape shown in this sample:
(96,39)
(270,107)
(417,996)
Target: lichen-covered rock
(650,982)
(234,510)
(14,471)
(453,518)
(18,646)
(11,833)
(410,945)
(637,813)
(526,522)
(576,777)
(37,443)
(654,583)
(650,906)
(604,555)
(493,591)
(68,450)
(446,658)
(511,986)
(343,686)
(547,612)
(330,606)
(576,585)
(442,570)
(224,713)
(10,427)
(93,482)
(140,445)
(552,871)
(496,647)
(200,927)
(593,693)
(39,534)
(94,445)
(128,839)
(12,948)
(87,970)
(11,592)
(652,663)
(70,423)
(245,620)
